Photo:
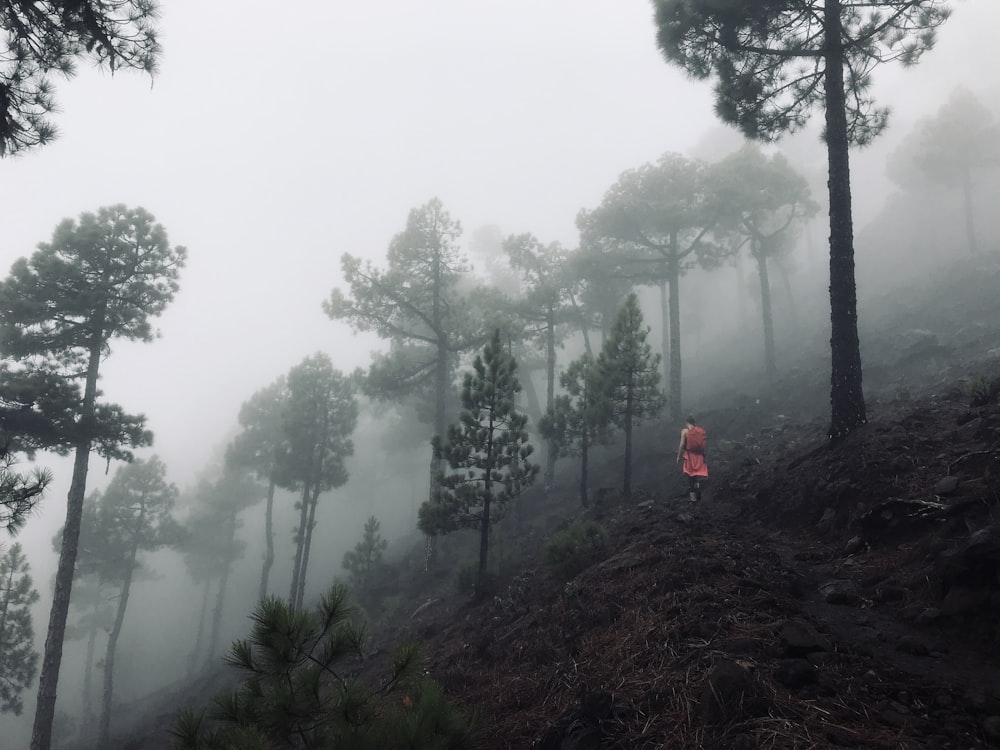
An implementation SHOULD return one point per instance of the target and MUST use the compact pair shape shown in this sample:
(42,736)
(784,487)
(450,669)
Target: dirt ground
(796,606)
(819,596)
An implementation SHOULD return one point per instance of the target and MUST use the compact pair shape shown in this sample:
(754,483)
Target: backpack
(695,441)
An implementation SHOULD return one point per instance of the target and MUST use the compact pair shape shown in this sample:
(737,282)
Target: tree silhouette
(137,516)
(547,302)
(261,447)
(963,138)
(320,415)
(631,378)
(43,37)
(18,658)
(579,418)
(774,62)
(102,278)
(760,199)
(366,557)
(298,689)
(417,305)
(652,227)
(488,452)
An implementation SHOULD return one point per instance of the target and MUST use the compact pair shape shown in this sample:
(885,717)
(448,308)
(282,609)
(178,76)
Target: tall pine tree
(631,377)
(488,453)
(774,62)
(100,279)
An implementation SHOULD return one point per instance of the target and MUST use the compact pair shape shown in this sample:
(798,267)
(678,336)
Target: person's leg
(694,491)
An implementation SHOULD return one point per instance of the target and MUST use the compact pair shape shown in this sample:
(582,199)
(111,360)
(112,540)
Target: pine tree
(320,415)
(100,279)
(18,658)
(579,418)
(260,448)
(19,493)
(43,37)
(631,378)
(366,557)
(487,451)
(137,516)
(297,690)
(774,62)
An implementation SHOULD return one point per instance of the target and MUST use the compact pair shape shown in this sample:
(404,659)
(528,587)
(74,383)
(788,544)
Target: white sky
(271,142)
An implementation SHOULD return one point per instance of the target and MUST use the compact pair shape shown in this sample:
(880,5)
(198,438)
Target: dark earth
(819,596)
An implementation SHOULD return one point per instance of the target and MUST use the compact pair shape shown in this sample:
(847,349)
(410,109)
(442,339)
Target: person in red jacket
(691,451)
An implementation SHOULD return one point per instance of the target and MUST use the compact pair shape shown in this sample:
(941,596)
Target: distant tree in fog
(18,658)
(488,453)
(100,279)
(579,417)
(418,305)
(260,448)
(546,304)
(775,62)
(95,575)
(136,514)
(319,418)
(210,547)
(45,37)
(652,226)
(630,377)
(949,148)
(366,557)
(761,198)
(296,691)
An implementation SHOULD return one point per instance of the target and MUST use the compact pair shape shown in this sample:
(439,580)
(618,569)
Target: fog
(269,146)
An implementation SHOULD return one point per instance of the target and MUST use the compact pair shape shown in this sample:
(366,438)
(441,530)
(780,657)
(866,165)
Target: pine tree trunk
(104,739)
(220,598)
(196,651)
(847,402)
(665,330)
(268,540)
(550,392)
(484,526)
(629,408)
(313,502)
(674,279)
(741,294)
(584,458)
(531,395)
(583,325)
(300,539)
(48,680)
(770,364)
(88,671)
(970,223)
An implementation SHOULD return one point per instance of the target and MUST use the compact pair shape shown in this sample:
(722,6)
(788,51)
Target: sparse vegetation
(983,389)
(465,577)
(573,549)
(299,690)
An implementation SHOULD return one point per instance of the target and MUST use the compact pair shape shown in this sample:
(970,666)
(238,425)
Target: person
(691,451)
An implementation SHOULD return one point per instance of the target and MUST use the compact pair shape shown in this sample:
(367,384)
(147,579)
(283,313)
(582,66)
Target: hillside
(819,596)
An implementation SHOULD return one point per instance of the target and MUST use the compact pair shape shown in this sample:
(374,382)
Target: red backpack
(695,441)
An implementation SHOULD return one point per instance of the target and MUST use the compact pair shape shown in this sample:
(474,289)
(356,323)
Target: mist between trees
(501,357)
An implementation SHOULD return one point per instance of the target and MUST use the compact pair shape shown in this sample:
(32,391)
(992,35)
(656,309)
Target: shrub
(982,389)
(298,692)
(465,577)
(573,549)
